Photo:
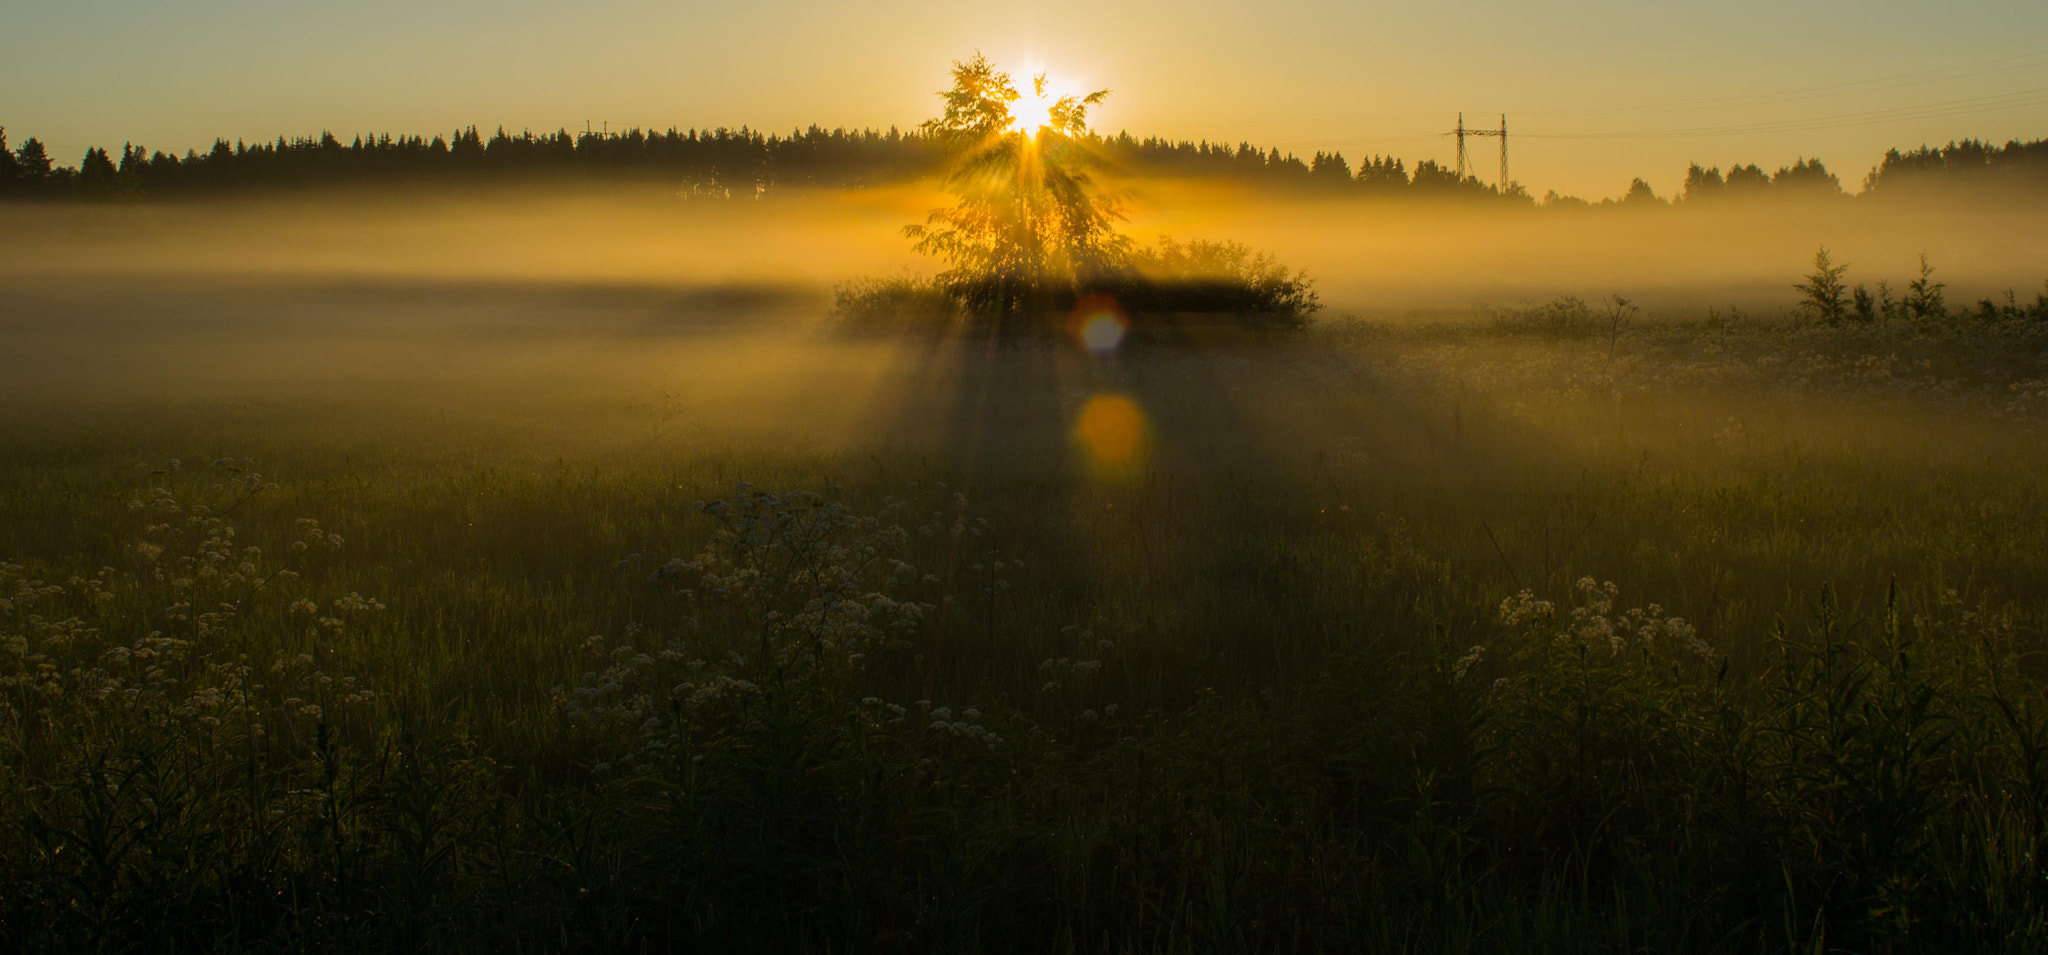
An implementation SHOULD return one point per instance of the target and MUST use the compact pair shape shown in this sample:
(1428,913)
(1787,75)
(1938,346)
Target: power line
(1464,166)
(1872,85)
(1937,110)
(1893,81)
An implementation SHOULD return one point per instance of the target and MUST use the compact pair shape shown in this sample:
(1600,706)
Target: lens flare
(1112,436)
(1098,324)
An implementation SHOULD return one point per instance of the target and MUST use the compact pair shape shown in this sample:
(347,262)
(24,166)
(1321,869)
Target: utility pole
(1504,154)
(1460,133)
(1465,164)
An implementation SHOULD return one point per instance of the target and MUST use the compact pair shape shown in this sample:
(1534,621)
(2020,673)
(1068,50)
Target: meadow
(406,595)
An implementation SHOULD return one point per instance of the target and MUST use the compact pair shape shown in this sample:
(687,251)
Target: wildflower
(1524,607)
(357,602)
(1466,662)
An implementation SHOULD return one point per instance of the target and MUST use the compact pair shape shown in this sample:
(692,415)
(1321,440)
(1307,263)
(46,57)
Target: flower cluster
(1593,622)
(165,641)
(791,595)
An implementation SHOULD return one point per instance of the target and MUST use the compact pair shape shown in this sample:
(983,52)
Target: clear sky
(1596,92)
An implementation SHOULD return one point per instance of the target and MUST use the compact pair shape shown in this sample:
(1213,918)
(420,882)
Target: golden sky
(1595,92)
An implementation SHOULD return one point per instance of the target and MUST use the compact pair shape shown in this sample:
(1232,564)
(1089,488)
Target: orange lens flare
(1112,436)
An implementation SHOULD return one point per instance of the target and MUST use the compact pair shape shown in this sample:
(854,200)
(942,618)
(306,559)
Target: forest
(747,162)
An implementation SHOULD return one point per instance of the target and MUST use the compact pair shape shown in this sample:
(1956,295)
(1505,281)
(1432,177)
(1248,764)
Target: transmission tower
(1465,164)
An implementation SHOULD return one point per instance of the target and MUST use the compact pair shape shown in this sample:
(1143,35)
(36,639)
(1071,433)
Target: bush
(1172,284)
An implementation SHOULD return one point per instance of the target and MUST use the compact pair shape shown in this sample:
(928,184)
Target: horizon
(1644,92)
(1482,150)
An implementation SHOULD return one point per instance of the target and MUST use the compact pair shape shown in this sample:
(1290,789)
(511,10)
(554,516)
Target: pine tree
(32,163)
(1923,295)
(96,174)
(1825,296)
(8,173)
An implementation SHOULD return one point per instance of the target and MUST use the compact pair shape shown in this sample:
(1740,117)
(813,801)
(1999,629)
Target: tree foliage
(1825,295)
(1029,221)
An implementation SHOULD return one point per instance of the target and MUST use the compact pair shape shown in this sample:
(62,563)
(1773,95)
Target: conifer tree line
(746,162)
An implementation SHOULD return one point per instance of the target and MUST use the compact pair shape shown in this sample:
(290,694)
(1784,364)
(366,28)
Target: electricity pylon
(1465,165)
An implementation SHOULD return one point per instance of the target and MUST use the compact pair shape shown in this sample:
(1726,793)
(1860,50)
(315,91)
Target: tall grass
(1337,668)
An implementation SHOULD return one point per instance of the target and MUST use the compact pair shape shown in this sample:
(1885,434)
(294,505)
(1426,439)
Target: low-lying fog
(561,302)
(1366,257)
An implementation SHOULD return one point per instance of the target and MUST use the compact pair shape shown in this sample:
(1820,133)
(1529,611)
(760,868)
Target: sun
(1033,110)
(1031,113)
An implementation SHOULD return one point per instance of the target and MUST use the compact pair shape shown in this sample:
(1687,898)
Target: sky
(1595,93)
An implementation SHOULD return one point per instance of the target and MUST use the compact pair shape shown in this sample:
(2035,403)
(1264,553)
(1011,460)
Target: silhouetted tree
(32,165)
(1703,183)
(1383,174)
(96,174)
(1430,177)
(1329,170)
(1747,180)
(1823,290)
(1807,177)
(1966,162)
(1640,194)
(1924,297)
(1028,219)
(8,173)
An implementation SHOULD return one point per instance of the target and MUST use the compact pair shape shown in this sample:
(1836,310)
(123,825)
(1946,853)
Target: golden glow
(1112,435)
(1031,113)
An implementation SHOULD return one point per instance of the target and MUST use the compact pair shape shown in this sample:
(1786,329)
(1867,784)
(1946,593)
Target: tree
(1809,177)
(32,163)
(1825,295)
(1923,294)
(1703,183)
(1028,223)
(8,174)
(1330,170)
(96,174)
(1640,194)
(1747,180)
(1383,174)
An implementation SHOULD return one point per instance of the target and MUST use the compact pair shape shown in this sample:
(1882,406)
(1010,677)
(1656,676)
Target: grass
(1310,645)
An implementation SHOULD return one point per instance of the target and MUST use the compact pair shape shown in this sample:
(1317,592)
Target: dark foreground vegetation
(1308,647)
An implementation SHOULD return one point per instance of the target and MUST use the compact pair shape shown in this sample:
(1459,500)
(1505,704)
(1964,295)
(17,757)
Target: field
(410,595)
